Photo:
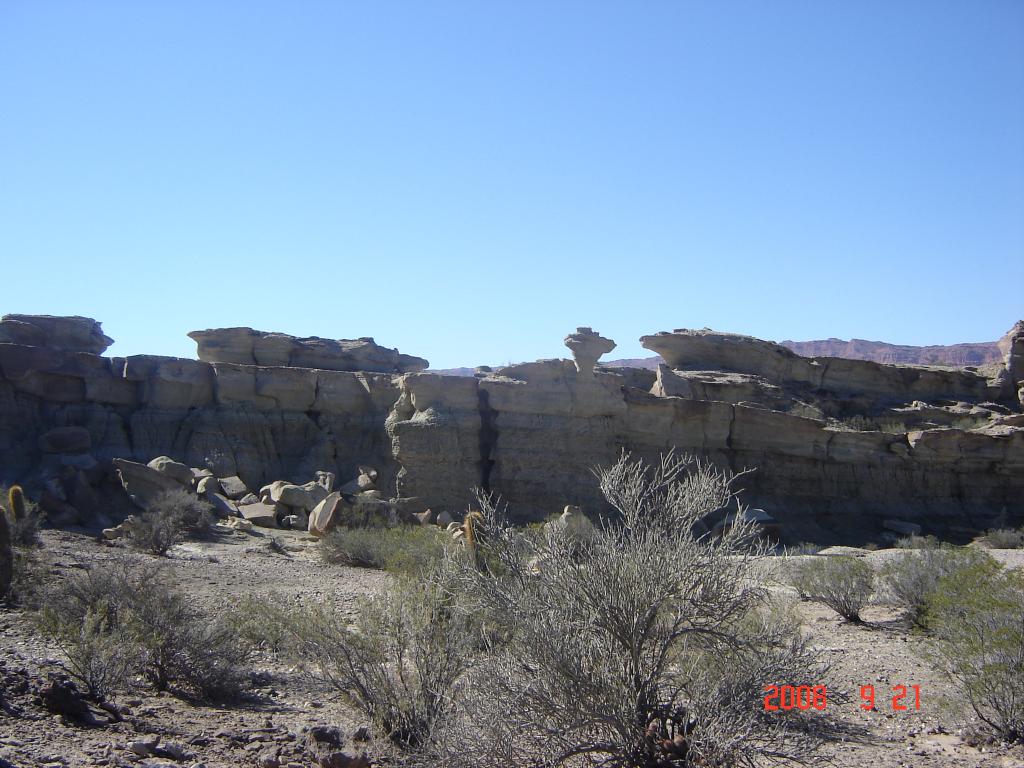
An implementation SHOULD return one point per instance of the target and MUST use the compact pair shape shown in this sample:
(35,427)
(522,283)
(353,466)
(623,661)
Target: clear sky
(470,181)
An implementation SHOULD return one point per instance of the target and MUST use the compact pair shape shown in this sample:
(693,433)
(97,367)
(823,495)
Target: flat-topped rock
(67,333)
(246,346)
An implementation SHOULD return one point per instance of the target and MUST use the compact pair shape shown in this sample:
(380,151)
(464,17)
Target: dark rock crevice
(488,438)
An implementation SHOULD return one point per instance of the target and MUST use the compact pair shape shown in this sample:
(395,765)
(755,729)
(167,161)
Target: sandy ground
(284,703)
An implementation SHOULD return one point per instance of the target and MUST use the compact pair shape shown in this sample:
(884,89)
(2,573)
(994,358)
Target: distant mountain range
(980,353)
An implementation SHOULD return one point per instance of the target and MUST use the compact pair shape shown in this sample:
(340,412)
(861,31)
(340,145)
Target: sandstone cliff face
(838,446)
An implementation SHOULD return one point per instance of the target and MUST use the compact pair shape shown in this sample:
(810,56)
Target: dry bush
(398,662)
(170,518)
(1003,538)
(915,541)
(403,550)
(977,620)
(646,646)
(842,583)
(911,578)
(123,619)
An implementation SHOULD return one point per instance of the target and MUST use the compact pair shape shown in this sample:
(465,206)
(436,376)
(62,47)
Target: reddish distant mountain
(979,353)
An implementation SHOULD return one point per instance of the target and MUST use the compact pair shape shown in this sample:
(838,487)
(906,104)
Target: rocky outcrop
(587,347)
(839,446)
(245,346)
(68,334)
(707,350)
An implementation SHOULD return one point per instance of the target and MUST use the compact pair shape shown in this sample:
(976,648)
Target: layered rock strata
(244,346)
(839,446)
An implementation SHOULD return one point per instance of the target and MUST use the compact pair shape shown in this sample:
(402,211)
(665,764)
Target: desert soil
(285,703)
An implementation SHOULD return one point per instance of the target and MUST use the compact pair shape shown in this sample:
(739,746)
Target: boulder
(323,518)
(222,506)
(263,515)
(66,440)
(572,523)
(142,483)
(445,519)
(173,469)
(208,486)
(250,347)
(234,487)
(326,479)
(304,497)
(65,333)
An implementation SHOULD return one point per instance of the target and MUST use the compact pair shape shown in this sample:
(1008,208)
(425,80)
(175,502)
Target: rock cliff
(838,445)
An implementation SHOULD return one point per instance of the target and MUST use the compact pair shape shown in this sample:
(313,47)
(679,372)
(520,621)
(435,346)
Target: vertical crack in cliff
(488,437)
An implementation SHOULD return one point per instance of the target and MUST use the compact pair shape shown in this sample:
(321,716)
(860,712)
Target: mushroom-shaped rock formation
(246,346)
(587,346)
(68,334)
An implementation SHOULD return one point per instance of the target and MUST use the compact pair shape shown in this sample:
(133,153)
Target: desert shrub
(637,650)
(123,619)
(842,583)
(24,517)
(398,662)
(915,541)
(803,548)
(977,620)
(169,519)
(1003,538)
(910,578)
(400,550)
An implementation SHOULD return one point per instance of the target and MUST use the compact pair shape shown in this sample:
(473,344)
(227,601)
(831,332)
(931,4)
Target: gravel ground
(274,723)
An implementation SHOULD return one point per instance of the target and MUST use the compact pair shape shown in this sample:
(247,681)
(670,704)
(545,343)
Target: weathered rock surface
(246,346)
(69,334)
(173,469)
(143,483)
(839,446)
(587,346)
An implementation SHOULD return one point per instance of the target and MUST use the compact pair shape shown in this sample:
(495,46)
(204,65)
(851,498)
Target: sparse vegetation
(406,550)
(399,662)
(1003,538)
(842,583)
(23,516)
(168,520)
(911,578)
(126,619)
(649,646)
(977,620)
(915,541)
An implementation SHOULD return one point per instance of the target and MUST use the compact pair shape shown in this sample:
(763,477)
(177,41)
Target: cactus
(6,557)
(469,529)
(16,504)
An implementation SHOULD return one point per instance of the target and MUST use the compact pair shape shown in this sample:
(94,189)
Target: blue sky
(470,181)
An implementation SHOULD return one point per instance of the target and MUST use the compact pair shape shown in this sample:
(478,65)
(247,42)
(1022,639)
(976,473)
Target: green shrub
(1003,538)
(842,583)
(909,579)
(404,549)
(170,518)
(977,620)
(121,619)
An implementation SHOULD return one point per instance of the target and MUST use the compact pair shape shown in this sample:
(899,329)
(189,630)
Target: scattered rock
(173,469)
(233,487)
(263,515)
